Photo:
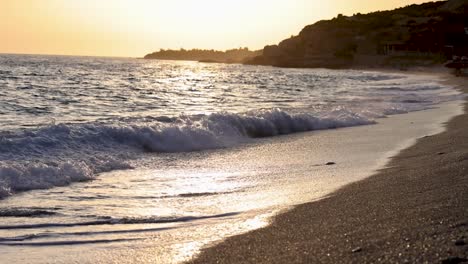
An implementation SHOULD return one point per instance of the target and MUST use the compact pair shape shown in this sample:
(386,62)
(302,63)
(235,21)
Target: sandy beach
(412,211)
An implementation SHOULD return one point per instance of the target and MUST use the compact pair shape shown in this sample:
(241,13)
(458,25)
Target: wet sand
(413,211)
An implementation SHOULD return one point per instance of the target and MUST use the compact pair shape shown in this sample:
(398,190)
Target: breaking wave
(57,155)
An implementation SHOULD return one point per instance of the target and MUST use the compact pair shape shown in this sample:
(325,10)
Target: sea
(123,160)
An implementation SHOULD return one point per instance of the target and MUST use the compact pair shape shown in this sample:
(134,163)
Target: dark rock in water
(330,163)
(356,250)
(454,260)
(440,153)
(460,242)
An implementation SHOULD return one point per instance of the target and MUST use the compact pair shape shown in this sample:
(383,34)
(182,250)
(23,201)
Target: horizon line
(114,56)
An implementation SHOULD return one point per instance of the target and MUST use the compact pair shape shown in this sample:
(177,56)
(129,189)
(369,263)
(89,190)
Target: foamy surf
(58,155)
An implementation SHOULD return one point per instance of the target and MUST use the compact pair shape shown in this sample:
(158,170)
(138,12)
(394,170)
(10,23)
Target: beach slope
(413,211)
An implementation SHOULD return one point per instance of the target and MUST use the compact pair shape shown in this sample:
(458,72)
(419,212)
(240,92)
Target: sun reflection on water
(250,221)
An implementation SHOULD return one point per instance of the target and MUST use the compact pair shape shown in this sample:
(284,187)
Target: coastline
(413,210)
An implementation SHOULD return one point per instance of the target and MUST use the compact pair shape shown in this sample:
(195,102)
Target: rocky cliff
(426,33)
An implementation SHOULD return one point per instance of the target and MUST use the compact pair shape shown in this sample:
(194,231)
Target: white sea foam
(58,155)
(37,174)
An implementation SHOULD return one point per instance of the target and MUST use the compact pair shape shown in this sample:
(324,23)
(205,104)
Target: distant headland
(415,35)
(229,56)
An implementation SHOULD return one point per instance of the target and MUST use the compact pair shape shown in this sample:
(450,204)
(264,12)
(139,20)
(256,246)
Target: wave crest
(58,155)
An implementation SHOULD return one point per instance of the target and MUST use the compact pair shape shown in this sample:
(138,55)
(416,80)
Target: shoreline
(406,212)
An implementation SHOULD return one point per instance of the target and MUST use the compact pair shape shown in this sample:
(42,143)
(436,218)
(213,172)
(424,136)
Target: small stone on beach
(454,260)
(356,250)
(330,163)
(460,242)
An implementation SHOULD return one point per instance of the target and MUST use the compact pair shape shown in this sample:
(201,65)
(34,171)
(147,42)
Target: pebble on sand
(454,260)
(358,249)
(460,242)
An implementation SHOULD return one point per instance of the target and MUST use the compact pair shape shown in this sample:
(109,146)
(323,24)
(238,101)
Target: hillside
(416,34)
(229,56)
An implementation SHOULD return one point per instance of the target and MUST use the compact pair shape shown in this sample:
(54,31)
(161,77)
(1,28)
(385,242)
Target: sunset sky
(136,27)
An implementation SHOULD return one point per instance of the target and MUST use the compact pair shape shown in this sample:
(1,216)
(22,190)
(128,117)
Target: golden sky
(136,27)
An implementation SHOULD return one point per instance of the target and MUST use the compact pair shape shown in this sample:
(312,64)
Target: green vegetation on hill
(415,34)
(229,56)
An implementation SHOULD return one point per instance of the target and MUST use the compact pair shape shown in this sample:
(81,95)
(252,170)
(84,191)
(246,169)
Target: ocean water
(134,160)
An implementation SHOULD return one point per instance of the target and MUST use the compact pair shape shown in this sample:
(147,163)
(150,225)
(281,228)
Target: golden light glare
(136,27)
